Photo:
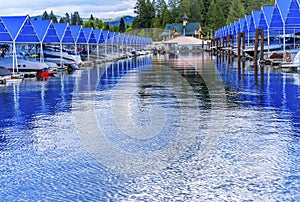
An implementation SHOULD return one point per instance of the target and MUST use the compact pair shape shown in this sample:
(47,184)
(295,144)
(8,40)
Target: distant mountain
(116,22)
(39,17)
(111,22)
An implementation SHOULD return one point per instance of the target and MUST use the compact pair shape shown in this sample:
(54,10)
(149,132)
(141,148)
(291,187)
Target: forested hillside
(212,14)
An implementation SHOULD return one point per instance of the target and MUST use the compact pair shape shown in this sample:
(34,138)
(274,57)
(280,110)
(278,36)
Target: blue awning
(90,35)
(256,18)
(64,32)
(103,36)
(20,28)
(97,33)
(46,31)
(5,36)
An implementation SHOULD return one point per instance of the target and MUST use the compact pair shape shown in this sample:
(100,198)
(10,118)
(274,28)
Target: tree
(173,9)
(225,6)
(236,11)
(184,7)
(68,19)
(197,11)
(122,27)
(92,17)
(215,17)
(145,14)
(76,19)
(139,10)
(53,17)
(45,16)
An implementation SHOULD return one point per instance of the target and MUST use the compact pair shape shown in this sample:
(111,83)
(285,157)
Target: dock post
(256,47)
(228,44)
(262,42)
(232,44)
(212,47)
(243,44)
(239,46)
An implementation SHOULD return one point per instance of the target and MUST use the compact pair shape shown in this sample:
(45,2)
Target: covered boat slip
(17,31)
(280,25)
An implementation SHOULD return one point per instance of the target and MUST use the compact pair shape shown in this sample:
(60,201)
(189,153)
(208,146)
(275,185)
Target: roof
(185,40)
(20,29)
(5,36)
(90,35)
(46,31)
(190,29)
(103,36)
(64,32)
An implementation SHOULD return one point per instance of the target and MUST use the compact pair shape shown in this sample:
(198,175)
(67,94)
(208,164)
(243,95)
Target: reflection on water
(152,129)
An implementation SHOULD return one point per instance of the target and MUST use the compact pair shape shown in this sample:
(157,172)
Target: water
(152,129)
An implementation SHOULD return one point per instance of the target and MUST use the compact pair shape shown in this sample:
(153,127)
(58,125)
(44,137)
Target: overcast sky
(99,8)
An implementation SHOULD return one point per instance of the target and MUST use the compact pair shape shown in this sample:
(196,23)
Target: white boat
(7,76)
(54,52)
(63,63)
(32,68)
(294,64)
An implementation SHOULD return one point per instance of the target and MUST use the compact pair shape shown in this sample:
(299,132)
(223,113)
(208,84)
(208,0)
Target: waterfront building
(182,29)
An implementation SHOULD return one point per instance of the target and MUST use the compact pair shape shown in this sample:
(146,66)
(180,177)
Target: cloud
(99,9)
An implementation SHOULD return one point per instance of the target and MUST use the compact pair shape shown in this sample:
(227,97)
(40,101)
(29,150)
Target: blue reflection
(263,87)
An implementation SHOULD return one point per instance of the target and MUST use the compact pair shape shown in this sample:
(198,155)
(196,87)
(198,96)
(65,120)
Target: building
(182,29)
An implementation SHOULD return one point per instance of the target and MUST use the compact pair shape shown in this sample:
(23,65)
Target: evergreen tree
(45,16)
(225,6)
(197,11)
(215,17)
(68,19)
(76,19)
(53,17)
(184,7)
(122,27)
(92,18)
(139,10)
(165,17)
(174,12)
(236,11)
(145,14)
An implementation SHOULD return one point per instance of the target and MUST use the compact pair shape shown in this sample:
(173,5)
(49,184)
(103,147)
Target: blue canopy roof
(276,20)
(75,29)
(110,37)
(290,14)
(46,31)
(90,35)
(256,18)
(265,17)
(64,32)
(97,33)
(20,28)
(103,36)
(4,33)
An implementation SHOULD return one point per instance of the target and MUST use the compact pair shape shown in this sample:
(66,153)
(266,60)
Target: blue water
(188,128)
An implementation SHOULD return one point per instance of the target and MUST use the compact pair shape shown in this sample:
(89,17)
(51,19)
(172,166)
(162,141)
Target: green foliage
(236,11)
(76,19)
(96,24)
(145,13)
(212,14)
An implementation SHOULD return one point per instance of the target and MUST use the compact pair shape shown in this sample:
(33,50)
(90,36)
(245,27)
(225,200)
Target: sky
(99,8)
